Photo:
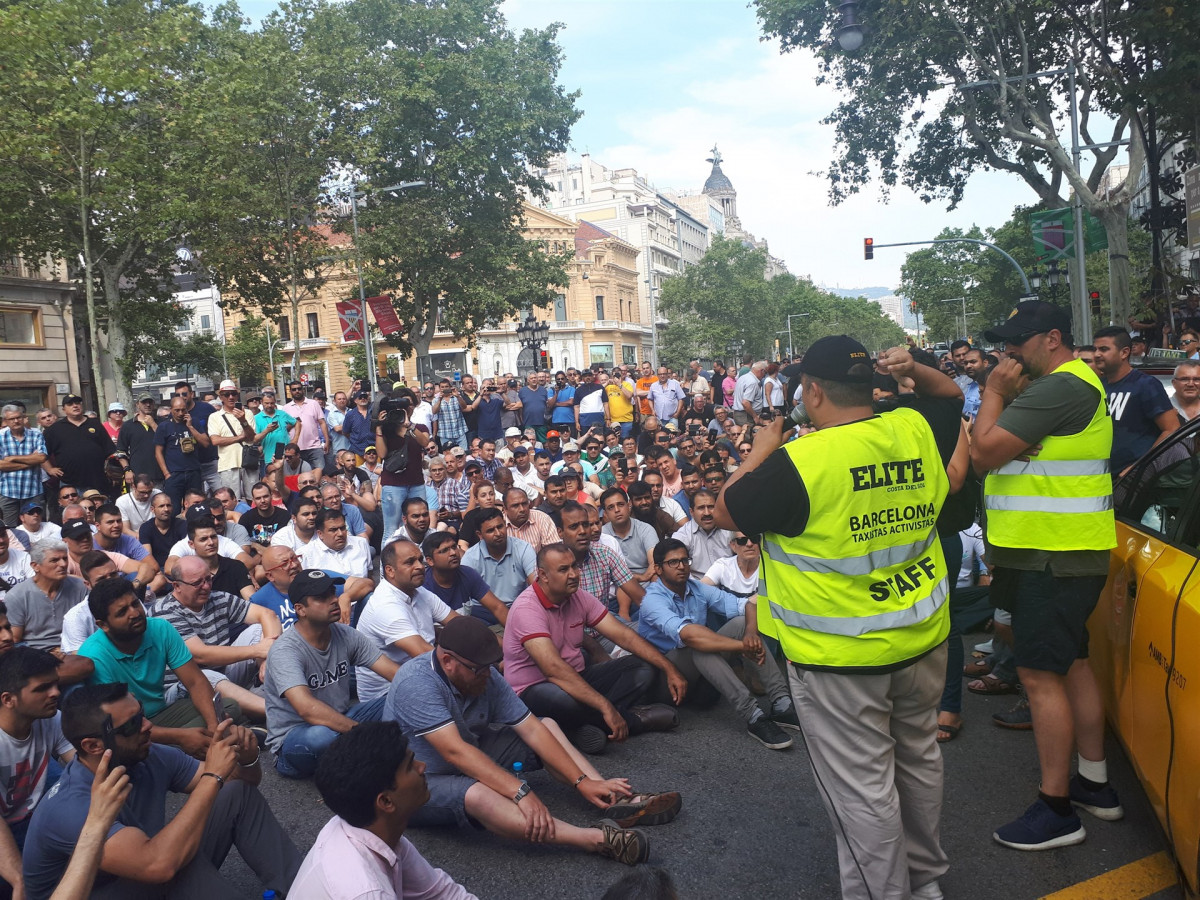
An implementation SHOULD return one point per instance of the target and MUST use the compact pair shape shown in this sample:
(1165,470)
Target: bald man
(280,565)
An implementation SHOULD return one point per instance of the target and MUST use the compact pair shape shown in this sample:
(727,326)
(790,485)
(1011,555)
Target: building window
(206,322)
(601,354)
(599,306)
(560,308)
(629,354)
(285,328)
(314,326)
(20,326)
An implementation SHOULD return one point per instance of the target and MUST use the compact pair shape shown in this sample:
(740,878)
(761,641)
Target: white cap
(512,432)
(570,447)
(116,406)
(227,385)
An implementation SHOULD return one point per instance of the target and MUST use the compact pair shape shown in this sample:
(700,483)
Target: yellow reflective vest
(865,585)
(1060,499)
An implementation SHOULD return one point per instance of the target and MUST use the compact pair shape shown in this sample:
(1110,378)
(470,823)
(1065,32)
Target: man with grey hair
(1186,382)
(748,395)
(36,606)
(22,452)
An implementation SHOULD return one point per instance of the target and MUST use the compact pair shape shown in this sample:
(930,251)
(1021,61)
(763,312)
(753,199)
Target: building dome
(718,181)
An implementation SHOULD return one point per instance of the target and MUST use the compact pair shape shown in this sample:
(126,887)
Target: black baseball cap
(198,511)
(315,583)
(71,398)
(838,357)
(1031,317)
(76,529)
(470,638)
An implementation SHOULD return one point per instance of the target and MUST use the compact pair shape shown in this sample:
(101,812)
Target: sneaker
(646,809)
(1019,718)
(626,845)
(1041,828)
(986,647)
(787,718)
(769,734)
(589,739)
(929,891)
(1103,804)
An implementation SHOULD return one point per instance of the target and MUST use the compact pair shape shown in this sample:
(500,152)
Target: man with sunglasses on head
(145,855)
(78,446)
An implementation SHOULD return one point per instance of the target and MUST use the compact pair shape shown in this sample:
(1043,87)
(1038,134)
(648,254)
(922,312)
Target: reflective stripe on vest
(865,585)
(1062,499)
(903,618)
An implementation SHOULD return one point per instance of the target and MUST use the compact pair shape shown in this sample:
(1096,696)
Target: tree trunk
(109,373)
(1115,218)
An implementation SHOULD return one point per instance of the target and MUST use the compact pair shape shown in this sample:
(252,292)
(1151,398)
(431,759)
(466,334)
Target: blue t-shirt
(200,413)
(167,435)
(144,669)
(491,408)
(59,818)
(275,600)
(664,615)
(422,700)
(1133,403)
(468,586)
(533,410)
(564,414)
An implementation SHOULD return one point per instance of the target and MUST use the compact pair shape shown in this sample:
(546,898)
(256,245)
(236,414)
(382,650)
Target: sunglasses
(743,541)
(126,730)
(471,667)
(207,579)
(71,496)
(1187,341)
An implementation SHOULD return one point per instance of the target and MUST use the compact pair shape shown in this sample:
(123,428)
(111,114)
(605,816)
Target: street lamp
(532,334)
(963,300)
(271,345)
(650,289)
(791,351)
(362,292)
(850,33)
(1053,278)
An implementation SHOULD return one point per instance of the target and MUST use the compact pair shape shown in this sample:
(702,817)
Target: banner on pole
(350,318)
(385,315)
(1191,194)
(1054,234)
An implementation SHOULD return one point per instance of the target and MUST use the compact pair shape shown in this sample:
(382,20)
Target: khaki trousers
(872,742)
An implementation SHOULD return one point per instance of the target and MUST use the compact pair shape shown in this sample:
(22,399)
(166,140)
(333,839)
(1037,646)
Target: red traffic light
(868,248)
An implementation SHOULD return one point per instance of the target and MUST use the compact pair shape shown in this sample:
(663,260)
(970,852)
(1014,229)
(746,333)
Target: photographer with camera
(401,448)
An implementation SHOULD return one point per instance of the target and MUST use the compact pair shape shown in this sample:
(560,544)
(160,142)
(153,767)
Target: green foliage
(199,356)
(246,351)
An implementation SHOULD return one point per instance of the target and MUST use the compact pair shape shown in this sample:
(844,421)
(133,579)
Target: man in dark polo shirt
(79,446)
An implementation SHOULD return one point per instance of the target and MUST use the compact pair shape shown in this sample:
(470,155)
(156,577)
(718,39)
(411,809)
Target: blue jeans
(626,429)
(303,745)
(393,498)
(952,691)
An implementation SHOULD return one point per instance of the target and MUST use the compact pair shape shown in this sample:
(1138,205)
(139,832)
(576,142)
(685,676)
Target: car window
(1156,495)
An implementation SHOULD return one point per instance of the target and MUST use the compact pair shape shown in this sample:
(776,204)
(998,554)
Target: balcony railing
(307,344)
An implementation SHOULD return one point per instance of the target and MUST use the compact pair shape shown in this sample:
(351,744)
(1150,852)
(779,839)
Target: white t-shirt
(133,510)
(422,414)
(23,766)
(78,625)
(529,482)
(355,559)
(727,576)
(972,556)
(592,403)
(48,532)
(225,547)
(671,508)
(16,568)
(287,537)
(390,616)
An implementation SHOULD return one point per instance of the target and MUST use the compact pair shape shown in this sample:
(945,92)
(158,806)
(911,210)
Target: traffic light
(913,306)
(544,364)
(1094,296)
(868,248)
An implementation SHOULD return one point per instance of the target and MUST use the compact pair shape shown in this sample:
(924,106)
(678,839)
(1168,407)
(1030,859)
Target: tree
(89,94)
(246,351)
(446,94)
(898,123)
(200,356)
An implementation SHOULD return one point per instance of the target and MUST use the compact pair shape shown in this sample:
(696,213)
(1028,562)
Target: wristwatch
(521,792)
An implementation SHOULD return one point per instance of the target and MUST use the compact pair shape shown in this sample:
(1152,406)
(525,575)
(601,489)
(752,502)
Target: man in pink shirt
(544,660)
(373,784)
(314,433)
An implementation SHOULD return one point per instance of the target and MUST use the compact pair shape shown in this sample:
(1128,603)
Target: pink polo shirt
(311,414)
(532,616)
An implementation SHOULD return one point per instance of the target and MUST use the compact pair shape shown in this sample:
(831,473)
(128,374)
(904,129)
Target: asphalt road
(753,826)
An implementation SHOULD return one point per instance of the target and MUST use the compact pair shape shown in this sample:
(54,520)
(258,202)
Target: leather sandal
(976,669)
(645,809)
(990,684)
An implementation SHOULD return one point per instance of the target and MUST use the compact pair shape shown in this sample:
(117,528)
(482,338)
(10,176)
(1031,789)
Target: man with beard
(603,572)
(155,858)
(705,541)
(335,548)
(644,509)
(137,650)
(264,519)
(532,526)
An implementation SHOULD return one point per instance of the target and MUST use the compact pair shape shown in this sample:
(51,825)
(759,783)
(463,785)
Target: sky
(662,81)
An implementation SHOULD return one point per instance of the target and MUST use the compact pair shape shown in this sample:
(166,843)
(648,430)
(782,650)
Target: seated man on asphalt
(673,619)
(79,624)
(706,542)
(205,619)
(136,650)
(532,526)
(414,523)
(603,572)
(228,575)
(506,564)
(31,747)
(110,536)
(79,538)
(373,784)
(226,547)
(335,548)
(331,498)
(144,855)
(635,538)
(263,519)
(303,528)
(281,565)
(400,615)
(545,664)
(163,530)
(458,586)
(307,683)
(469,728)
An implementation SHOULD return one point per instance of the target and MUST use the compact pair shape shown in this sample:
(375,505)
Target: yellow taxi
(1145,637)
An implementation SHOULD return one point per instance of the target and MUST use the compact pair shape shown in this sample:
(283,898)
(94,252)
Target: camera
(392,412)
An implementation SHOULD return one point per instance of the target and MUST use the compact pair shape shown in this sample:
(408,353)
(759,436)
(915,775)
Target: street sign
(304,378)
(1191,195)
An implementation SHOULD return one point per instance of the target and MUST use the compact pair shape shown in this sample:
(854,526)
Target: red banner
(350,318)
(385,315)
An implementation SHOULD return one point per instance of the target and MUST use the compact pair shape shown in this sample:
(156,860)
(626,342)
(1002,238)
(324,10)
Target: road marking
(1138,879)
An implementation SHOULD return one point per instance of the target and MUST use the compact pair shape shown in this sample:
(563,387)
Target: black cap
(473,464)
(314,583)
(838,357)
(76,529)
(470,638)
(520,450)
(1029,318)
(198,511)
(72,398)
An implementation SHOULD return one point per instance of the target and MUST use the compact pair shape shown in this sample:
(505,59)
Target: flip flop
(976,669)
(951,733)
(990,684)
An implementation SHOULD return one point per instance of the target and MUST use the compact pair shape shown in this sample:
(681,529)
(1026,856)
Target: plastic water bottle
(270,895)
(517,768)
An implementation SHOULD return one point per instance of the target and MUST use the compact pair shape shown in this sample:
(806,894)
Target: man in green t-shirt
(274,429)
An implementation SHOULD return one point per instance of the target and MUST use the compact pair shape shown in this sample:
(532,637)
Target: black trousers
(623,681)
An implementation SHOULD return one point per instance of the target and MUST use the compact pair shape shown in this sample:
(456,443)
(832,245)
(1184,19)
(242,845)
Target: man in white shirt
(525,476)
(400,615)
(34,525)
(748,395)
(373,784)
(705,541)
(135,506)
(297,534)
(336,548)
(15,565)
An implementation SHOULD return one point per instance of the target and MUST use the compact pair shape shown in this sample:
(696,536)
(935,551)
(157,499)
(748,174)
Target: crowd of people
(416,597)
